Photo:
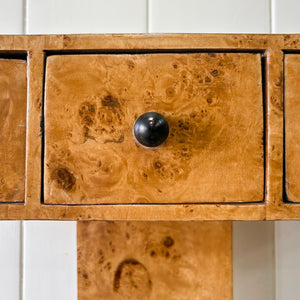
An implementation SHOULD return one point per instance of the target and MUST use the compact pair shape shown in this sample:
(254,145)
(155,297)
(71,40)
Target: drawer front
(12,129)
(292,127)
(214,106)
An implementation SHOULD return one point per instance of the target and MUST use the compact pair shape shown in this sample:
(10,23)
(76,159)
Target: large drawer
(213,103)
(12,129)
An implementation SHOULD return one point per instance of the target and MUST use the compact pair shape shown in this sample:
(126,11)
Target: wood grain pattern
(272,48)
(292,127)
(154,260)
(212,101)
(12,129)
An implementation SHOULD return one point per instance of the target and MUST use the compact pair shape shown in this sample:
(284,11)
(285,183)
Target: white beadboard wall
(10,260)
(49,261)
(38,259)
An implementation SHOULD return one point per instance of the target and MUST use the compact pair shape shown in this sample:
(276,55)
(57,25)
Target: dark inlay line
(42,131)
(284,192)
(264,83)
(151,51)
(13,54)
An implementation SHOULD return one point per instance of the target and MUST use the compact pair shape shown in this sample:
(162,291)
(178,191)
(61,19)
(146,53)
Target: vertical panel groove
(21,260)
(148,16)
(272,17)
(25,11)
(275,260)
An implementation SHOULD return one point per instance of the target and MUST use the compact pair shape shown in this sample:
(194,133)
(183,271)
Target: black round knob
(151,129)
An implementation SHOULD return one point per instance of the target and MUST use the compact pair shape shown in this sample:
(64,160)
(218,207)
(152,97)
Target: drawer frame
(272,48)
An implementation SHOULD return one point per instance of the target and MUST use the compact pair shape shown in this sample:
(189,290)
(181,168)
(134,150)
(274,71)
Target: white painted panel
(86,16)
(11,16)
(285,16)
(50,260)
(10,264)
(253,261)
(287,236)
(204,16)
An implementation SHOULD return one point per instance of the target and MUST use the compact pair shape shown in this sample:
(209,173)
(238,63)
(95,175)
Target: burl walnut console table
(127,128)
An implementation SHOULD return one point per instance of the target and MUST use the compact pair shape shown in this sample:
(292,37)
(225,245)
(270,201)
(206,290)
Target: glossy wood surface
(12,129)
(212,102)
(154,260)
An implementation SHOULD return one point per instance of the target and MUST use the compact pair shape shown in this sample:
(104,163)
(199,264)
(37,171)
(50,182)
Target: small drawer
(13,129)
(292,127)
(213,103)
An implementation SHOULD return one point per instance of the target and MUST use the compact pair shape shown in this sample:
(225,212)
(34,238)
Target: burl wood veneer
(13,103)
(231,119)
(154,260)
(212,102)
(292,127)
